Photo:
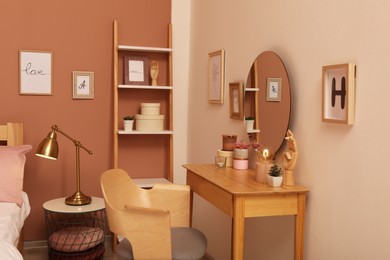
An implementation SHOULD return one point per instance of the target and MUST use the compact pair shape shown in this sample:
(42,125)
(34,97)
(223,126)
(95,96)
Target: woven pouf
(77,243)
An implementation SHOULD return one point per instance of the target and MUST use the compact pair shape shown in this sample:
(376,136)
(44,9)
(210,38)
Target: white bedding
(11,222)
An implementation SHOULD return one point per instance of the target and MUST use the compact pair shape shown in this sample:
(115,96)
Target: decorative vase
(275,181)
(128,124)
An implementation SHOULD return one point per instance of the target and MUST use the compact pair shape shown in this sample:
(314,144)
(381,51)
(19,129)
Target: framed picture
(338,93)
(35,72)
(136,70)
(83,85)
(236,93)
(274,89)
(216,76)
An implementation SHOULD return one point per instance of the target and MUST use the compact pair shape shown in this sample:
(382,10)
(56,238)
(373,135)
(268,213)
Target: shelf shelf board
(254,131)
(144,87)
(145,49)
(135,132)
(251,89)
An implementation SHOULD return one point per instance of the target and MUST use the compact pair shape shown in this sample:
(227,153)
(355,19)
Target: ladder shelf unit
(131,147)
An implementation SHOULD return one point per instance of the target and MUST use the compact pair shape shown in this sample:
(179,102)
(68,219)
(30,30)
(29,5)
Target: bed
(14,202)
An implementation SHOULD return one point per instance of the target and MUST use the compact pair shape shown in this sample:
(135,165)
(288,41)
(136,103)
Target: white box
(150,109)
(149,123)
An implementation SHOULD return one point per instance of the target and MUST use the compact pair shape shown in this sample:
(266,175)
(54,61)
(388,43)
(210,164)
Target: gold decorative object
(290,159)
(154,72)
(48,149)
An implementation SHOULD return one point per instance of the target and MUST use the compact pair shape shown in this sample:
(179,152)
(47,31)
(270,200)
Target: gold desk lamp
(48,149)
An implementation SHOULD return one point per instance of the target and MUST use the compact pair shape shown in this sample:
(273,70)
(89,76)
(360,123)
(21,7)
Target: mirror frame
(272,113)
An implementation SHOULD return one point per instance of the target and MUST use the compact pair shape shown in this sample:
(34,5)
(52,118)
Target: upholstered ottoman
(77,242)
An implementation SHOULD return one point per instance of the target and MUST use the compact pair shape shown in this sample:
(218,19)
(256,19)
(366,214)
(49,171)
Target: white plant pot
(275,181)
(128,125)
(249,125)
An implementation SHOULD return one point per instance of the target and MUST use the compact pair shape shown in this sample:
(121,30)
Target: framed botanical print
(216,68)
(274,89)
(338,98)
(236,93)
(136,70)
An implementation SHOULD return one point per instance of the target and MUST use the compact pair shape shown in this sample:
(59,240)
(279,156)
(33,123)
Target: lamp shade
(48,148)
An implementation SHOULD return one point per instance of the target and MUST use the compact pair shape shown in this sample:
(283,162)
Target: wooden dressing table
(239,195)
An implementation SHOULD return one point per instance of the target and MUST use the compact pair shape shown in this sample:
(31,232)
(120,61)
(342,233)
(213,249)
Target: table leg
(114,243)
(238,227)
(191,206)
(299,224)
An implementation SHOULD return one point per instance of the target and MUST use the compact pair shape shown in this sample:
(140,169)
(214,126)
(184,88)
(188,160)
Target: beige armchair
(155,221)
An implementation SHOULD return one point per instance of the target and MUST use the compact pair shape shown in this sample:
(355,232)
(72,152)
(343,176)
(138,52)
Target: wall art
(338,98)
(274,89)
(216,68)
(35,72)
(136,70)
(83,85)
(236,93)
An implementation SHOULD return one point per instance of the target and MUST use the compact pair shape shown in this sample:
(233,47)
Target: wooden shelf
(135,132)
(144,87)
(144,49)
(251,89)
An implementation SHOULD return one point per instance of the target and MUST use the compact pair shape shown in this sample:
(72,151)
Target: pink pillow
(12,160)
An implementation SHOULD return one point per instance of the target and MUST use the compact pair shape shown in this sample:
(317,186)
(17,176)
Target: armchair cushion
(187,244)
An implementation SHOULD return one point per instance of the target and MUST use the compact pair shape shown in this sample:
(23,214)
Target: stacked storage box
(150,118)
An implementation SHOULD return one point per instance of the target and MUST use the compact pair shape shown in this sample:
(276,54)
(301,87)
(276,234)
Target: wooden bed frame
(12,134)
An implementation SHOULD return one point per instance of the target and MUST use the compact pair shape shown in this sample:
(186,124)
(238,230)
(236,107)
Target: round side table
(75,232)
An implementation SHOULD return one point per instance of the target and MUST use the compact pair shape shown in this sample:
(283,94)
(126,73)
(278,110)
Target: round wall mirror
(272,99)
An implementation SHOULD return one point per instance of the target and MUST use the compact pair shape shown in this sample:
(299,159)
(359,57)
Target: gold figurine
(154,72)
(290,159)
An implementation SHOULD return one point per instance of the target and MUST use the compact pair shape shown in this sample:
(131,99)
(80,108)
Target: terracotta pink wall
(80,35)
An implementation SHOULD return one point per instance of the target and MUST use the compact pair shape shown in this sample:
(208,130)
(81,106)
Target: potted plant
(250,121)
(240,156)
(128,122)
(275,176)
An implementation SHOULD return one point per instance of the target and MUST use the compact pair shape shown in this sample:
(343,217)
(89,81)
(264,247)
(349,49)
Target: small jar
(228,142)
(262,169)
(228,155)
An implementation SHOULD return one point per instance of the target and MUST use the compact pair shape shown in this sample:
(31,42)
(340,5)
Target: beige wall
(80,35)
(344,166)
(181,52)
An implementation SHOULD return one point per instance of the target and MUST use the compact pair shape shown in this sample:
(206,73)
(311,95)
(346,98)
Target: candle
(265,153)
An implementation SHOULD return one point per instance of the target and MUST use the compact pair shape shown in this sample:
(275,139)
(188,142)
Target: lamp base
(77,199)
